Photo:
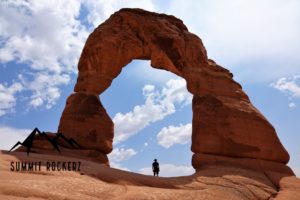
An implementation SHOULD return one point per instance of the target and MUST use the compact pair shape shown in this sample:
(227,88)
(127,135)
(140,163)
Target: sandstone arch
(224,120)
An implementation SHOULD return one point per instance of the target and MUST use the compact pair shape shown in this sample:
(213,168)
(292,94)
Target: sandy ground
(96,181)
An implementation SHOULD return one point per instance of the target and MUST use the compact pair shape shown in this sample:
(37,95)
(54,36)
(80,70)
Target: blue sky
(41,41)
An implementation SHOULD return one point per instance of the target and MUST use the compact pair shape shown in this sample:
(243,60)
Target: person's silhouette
(155,167)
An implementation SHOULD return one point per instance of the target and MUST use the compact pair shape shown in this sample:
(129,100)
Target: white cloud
(48,38)
(100,10)
(146,144)
(118,155)
(9,136)
(45,36)
(121,154)
(8,98)
(148,89)
(257,40)
(45,88)
(158,105)
(290,86)
(169,170)
(168,136)
(292,105)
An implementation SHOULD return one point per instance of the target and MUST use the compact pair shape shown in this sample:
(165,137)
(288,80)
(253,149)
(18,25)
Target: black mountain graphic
(28,141)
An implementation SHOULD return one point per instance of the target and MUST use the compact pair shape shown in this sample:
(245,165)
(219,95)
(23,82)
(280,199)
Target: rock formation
(225,123)
(237,154)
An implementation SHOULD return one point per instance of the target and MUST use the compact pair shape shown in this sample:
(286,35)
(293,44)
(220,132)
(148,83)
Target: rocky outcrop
(225,123)
(87,121)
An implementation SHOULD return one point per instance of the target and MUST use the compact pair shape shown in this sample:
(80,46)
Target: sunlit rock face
(225,123)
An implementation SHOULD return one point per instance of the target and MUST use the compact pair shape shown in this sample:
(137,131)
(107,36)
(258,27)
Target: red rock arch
(224,120)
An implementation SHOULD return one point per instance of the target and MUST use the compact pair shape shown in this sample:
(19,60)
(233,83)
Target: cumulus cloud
(48,37)
(289,86)
(45,88)
(158,105)
(8,97)
(292,105)
(170,170)
(45,36)
(100,10)
(258,40)
(168,136)
(121,154)
(9,136)
(118,155)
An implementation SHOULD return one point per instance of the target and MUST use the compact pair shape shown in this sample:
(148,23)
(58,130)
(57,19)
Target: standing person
(155,167)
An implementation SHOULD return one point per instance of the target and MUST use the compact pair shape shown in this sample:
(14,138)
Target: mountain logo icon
(31,137)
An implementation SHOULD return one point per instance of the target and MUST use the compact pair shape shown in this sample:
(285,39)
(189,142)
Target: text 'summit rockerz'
(20,166)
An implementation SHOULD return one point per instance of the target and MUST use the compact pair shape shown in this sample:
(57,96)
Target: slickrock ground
(97,181)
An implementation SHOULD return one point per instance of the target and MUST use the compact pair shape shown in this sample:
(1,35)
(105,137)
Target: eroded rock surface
(96,181)
(224,120)
(86,115)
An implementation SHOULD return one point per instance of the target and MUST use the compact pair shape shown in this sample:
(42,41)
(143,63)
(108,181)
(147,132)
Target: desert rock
(224,120)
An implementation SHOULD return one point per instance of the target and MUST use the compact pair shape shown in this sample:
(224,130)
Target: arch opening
(152,115)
